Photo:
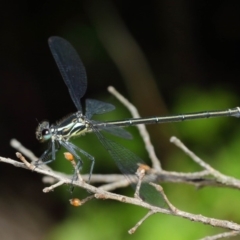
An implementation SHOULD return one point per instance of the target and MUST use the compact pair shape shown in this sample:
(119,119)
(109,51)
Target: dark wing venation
(97,107)
(128,162)
(71,68)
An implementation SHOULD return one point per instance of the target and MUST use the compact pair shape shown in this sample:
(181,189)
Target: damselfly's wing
(97,107)
(94,107)
(71,68)
(114,130)
(128,163)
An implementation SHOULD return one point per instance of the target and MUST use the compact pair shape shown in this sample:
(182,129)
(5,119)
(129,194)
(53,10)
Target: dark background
(164,56)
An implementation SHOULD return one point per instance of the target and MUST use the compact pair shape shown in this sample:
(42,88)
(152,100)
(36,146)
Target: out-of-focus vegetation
(190,55)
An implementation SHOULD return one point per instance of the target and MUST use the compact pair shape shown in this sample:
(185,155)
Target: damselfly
(77,124)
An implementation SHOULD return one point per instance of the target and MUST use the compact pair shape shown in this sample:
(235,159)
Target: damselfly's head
(43,131)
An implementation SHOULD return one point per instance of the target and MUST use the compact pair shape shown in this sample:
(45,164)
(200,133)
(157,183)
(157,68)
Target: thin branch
(133,230)
(99,193)
(115,185)
(160,189)
(222,235)
(198,179)
(226,180)
(140,174)
(51,188)
(141,128)
(14,143)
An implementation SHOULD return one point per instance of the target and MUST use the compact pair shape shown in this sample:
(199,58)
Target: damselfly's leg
(52,149)
(69,147)
(74,149)
(90,157)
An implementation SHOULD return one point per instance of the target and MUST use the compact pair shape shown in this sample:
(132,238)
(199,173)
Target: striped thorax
(71,126)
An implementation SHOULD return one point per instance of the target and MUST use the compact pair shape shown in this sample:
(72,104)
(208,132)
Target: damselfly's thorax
(73,125)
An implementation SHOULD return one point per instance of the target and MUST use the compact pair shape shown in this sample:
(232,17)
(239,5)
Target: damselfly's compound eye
(43,132)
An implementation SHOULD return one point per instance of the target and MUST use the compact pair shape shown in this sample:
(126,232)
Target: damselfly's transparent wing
(114,130)
(128,164)
(97,107)
(94,107)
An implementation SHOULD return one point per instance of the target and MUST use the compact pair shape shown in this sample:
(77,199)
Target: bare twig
(198,179)
(222,235)
(20,148)
(160,189)
(51,188)
(226,180)
(99,193)
(132,230)
(140,174)
(141,128)
(22,158)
